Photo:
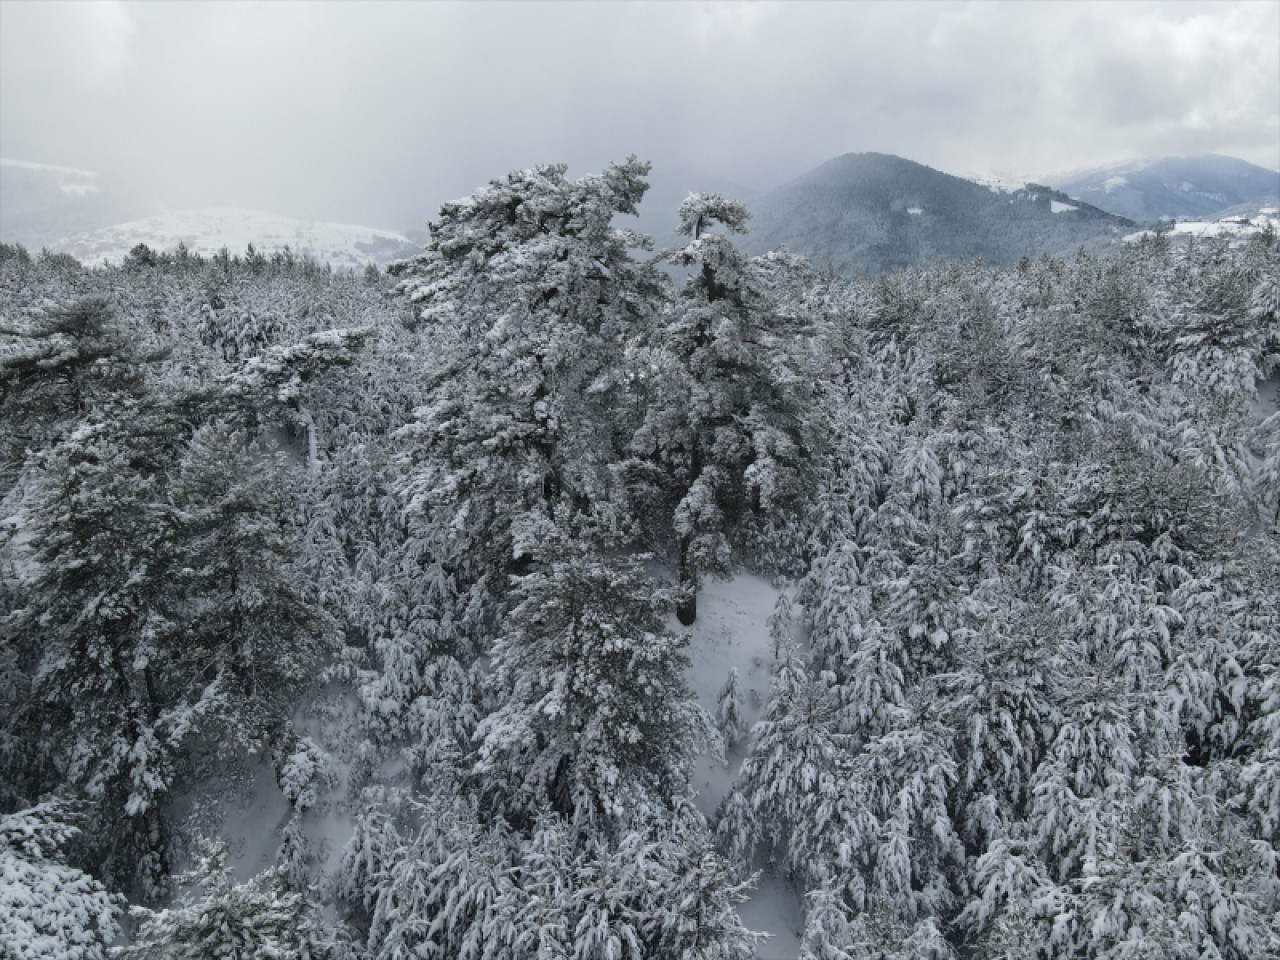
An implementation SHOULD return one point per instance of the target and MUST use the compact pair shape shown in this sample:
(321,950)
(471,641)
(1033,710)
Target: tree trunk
(687,590)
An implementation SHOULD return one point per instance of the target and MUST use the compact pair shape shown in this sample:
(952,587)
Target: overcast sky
(377,112)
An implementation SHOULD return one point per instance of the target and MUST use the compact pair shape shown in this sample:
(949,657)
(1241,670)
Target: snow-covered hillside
(1239,229)
(1148,189)
(208,230)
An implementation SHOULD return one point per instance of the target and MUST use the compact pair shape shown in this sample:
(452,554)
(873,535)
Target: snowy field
(1238,229)
(208,230)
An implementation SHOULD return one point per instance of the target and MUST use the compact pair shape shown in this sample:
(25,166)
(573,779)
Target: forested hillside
(419,550)
(873,213)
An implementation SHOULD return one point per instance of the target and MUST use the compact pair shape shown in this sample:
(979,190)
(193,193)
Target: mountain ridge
(876,212)
(1154,188)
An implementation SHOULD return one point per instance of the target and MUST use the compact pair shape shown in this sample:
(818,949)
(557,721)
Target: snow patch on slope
(78,189)
(998,182)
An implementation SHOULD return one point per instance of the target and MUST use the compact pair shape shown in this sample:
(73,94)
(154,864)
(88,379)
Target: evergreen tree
(255,920)
(531,295)
(49,909)
(595,717)
(724,443)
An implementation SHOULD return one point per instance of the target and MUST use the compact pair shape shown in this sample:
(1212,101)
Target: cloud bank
(378,112)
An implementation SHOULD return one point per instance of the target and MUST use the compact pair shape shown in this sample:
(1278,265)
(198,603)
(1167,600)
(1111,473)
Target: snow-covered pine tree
(729,718)
(218,917)
(49,909)
(725,440)
(165,608)
(594,718)
(794,799)
(531,295)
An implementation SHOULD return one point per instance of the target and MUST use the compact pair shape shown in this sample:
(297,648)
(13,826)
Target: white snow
(78,189)
(1057,206)
(26,165)
(1114,183)
(998,182)
(775,907)
(1238,229)
(732,630)
(915,211)
(208,230)
(247,812)
(1267,401)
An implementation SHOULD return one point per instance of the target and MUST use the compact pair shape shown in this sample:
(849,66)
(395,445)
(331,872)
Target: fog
(378,112)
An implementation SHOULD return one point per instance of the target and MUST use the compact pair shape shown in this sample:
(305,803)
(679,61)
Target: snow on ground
(247,811)
(998,182)
(1267,401)
(208,230)
(1057,206)
(775,907)
(915,211)
(732,630)
(1238,229)
(1114,183)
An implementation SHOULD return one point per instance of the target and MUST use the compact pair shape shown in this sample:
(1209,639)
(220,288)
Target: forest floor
(732,630)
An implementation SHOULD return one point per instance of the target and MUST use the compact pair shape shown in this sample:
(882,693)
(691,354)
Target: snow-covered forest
(349,615)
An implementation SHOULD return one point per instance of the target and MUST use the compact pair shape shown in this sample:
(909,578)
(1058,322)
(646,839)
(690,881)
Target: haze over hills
(42,203)
(868,212)
(871,212)
(1171,187)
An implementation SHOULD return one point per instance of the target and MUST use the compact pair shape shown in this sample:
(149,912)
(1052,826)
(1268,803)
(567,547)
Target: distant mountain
(206,231)
(41,204)
(1193,187)
(872,212)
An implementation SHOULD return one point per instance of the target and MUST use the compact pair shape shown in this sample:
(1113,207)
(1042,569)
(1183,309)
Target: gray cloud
(380,111)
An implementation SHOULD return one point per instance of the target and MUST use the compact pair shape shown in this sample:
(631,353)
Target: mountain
(206,231)
(872,212)
(41,203)
(1171,187)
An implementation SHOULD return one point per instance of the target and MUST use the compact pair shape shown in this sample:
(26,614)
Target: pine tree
(531,295)
(218,917)
(49,909)
(729,717)
(595,715)
(724,440)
